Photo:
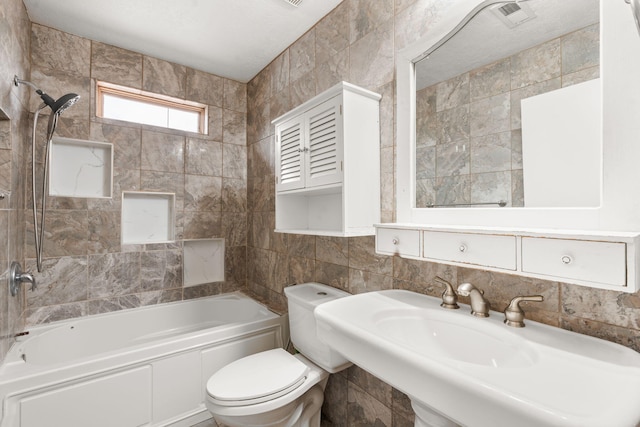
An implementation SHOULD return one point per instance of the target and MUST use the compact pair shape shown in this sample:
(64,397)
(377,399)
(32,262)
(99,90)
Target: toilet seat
(257,378)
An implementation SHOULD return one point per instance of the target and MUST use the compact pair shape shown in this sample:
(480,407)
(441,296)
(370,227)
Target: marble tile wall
(86,268)
(357,42)
(14,134)
(468,133)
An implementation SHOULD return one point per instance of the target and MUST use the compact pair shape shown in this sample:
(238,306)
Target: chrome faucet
(449,296)
(514,315)
(16,277)
(479,306)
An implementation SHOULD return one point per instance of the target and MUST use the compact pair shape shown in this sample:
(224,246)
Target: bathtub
(140,367)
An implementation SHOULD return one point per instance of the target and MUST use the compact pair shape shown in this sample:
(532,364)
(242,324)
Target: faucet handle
(514,315)
(449,296)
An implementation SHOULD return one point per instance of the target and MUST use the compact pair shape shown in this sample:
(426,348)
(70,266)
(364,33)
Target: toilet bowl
(276,388)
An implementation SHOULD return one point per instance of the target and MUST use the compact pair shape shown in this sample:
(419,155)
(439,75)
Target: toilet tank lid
(313,294)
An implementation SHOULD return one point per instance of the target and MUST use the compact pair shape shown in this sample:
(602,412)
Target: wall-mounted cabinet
(328,164)
(595,259)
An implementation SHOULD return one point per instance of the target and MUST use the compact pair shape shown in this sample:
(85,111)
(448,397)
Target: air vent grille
(296,3)
(513,14)
(509,8)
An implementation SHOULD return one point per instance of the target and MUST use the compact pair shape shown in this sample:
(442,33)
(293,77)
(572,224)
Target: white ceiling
(230,38)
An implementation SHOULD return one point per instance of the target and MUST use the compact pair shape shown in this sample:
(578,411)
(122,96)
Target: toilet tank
(302,300)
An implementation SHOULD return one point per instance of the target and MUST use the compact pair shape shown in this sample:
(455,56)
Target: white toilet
(275,388)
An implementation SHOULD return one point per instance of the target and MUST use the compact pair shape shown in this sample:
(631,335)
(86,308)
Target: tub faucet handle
(514,315)
(449,296)
(16,277)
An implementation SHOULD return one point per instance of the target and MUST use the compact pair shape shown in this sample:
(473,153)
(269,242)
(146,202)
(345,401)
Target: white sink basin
(479,372)
(454,338)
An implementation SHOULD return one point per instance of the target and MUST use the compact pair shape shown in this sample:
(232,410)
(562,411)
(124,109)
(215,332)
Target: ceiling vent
(513,14)
(296,3)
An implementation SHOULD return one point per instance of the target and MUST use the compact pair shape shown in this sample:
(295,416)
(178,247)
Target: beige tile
(452,93)
(234,163)
(203,157)
(363,409)
(204,87)
(371,60)
(56,50)
(302,57)
(333,250)
(362,256)
(332,34)
(160,270)
(280,73)
(62,280)
(235,96)
(581,49)
(115,65)
(234,127)
(162,152)
(366,16)
(202,193)
(537,64)
(164,77)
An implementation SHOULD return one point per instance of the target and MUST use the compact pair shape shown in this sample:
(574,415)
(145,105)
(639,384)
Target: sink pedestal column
(427,417)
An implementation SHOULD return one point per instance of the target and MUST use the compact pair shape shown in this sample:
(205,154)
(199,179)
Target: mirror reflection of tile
(468,128)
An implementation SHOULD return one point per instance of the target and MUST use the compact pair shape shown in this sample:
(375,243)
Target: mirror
(620,106)
(508,109)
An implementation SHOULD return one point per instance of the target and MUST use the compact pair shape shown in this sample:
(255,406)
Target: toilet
(274,387)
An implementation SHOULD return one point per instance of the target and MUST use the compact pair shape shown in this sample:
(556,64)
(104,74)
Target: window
(133,105)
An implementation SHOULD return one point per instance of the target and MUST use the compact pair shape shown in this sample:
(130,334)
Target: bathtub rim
(19,379)
(13,359)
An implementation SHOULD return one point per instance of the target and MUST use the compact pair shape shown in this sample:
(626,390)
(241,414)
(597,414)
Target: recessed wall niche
(203,261)
(147,217)
(80,168)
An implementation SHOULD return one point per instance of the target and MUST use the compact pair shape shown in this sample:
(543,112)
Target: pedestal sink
(477,372)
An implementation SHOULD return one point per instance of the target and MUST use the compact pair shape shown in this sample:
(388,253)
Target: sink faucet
(514,315)
(449,297)
(479,306)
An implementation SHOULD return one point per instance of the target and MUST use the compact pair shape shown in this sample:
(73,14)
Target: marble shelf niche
(79,168)
(147,217)
(203,261)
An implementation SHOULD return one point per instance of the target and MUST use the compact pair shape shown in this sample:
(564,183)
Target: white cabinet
(328,164)
(310,150)
(469,248)
(599,260)
(394,241)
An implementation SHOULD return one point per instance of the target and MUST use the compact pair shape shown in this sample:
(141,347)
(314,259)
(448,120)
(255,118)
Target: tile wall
(14,134)
(86,268)
(469,136)
(357,42)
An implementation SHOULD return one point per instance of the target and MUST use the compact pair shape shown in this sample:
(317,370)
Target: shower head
(57,106)
(64,102)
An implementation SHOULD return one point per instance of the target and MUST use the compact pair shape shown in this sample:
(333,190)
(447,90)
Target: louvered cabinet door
(324,155)
(289,155)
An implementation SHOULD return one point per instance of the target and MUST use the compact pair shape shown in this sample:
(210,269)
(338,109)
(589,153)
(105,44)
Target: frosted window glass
(137,111)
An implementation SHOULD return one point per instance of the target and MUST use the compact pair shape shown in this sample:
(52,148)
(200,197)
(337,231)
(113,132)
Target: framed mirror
(521,110)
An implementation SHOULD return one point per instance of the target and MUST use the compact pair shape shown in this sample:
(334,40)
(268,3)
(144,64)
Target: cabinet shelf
(328,164)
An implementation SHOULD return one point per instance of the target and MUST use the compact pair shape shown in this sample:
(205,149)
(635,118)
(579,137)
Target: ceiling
(230,38)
